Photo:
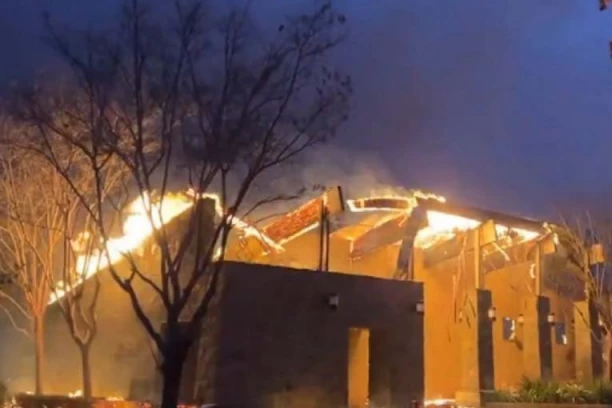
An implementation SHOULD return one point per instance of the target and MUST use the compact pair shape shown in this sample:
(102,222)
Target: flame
(75,394)
(438,402)
(405,203)
(143,218)
(440,225)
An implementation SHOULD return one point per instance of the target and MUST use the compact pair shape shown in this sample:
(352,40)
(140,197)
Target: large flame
(144,217)
(439,224)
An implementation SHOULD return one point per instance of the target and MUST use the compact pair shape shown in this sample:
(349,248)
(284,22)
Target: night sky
(501,104)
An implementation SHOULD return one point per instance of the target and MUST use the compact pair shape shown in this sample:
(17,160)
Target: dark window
(509,328)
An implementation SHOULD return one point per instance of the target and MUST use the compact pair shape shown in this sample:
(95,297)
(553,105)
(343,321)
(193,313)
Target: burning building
(383,299)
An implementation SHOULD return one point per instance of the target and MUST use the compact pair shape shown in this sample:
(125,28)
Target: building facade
(494,311)
(379,301)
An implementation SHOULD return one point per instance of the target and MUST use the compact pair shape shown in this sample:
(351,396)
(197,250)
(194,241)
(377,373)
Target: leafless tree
(586,243)
(205,101)
(42,221)
(78,302)
(30,234)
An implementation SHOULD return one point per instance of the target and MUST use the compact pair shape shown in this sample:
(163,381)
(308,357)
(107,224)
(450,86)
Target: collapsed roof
(369,223)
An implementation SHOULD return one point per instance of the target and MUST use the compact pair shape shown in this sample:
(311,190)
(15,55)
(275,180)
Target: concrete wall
(275,341)
(513,292)
(442,346)
(446,286)
(564,355)
(510,287)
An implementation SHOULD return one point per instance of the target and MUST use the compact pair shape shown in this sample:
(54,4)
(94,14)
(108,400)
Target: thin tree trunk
(605,351)
(39,353)
(172,371)
(86,372)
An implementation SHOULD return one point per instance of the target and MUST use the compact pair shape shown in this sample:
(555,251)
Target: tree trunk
(172,371)
(39,353)
(605,351)
(86,371)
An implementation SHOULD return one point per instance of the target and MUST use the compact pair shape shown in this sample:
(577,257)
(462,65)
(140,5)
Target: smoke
(476,99)
(358,172)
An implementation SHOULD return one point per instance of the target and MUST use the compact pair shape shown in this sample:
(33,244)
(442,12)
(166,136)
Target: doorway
(358,367)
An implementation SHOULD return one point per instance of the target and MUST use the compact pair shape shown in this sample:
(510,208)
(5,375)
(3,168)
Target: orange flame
(439,224)
(143,218)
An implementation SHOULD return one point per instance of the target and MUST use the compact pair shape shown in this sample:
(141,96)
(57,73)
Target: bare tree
(586,242)
(80,254)
(42,222)
(80,315)
(30,233)
(78,302)
(209,96)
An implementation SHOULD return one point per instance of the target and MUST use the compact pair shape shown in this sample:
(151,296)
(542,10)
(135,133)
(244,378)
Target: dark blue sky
(505,104)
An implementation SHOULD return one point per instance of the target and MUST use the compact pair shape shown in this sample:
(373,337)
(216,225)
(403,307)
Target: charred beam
(387,233)
(405,265)
(382,204)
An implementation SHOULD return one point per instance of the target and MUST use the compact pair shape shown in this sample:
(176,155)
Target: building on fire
(379,300)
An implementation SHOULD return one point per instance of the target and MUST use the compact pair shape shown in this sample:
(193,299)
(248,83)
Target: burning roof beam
(305,217)
(480,215)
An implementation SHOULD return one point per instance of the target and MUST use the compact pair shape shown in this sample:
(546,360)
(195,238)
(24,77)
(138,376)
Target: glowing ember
(76,394)
(143,218)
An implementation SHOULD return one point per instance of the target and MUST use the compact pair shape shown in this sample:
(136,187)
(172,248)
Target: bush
(538,391)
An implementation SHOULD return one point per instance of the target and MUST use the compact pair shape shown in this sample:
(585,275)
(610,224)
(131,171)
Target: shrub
(539,391)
